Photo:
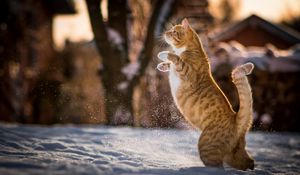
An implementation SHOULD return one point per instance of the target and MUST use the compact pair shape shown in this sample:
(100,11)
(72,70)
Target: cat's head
(179,35)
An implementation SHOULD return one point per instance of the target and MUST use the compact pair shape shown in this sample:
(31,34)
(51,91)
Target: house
(275,79)
(256,31)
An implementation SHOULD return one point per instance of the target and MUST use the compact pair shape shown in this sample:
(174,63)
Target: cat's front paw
(163,56)
(164,66)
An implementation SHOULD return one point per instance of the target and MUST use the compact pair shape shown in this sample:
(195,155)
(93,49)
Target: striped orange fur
(204,105)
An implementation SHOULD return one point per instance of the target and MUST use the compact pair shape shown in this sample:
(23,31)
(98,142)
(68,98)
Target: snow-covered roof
(283,32)
(267,58)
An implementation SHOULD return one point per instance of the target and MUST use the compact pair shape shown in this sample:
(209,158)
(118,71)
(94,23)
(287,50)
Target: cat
(202,102)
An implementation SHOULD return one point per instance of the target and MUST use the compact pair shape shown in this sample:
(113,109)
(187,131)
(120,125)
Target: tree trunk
(118,107)
(117,20)
(118,85)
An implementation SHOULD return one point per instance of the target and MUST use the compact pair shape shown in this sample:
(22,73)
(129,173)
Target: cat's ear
(185,23)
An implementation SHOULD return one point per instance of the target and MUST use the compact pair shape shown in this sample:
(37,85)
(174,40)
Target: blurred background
(94,62)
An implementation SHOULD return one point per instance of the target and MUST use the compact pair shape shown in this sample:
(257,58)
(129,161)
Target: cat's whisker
(161,43)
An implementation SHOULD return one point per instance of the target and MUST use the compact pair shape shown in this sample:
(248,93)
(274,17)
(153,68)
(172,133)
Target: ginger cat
(203,103)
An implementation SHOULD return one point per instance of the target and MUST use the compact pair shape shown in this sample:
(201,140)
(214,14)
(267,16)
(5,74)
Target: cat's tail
(244,115)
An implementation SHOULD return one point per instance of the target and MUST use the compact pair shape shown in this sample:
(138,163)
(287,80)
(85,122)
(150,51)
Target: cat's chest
(174,81)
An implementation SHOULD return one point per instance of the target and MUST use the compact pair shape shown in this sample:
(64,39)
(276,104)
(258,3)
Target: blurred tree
(119,75)
(29,80)
(228,10)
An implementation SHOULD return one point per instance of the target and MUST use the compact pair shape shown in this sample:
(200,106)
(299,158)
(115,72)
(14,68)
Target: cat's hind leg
(239,157)
(211,150)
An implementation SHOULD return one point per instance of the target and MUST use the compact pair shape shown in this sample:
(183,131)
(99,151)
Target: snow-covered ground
(108,150)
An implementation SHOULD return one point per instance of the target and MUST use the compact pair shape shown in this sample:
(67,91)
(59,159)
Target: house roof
(283,32)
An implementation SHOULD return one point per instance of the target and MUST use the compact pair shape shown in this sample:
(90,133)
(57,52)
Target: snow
(123,85)
(121,115)
(267,58)
(67,149)
(114,37)
(130,70)
(266,119)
